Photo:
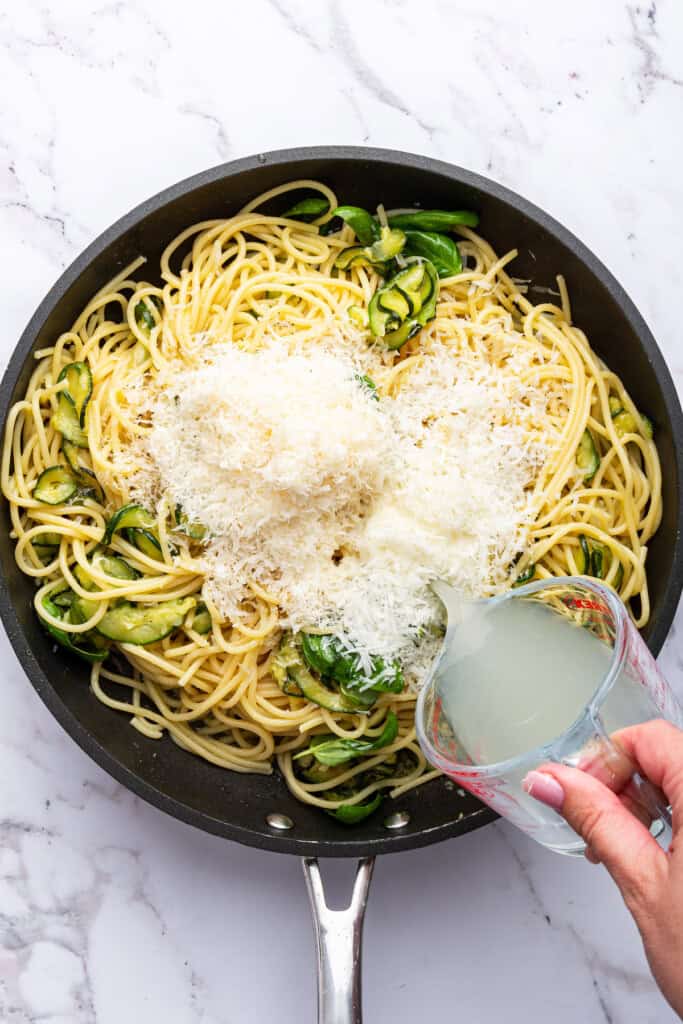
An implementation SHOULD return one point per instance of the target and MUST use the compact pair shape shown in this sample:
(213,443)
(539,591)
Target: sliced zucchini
(393,301)
(144,541)
(619,578)
(526,576)
(404,304)
(55,486)
(45,554)
(583,558)
(587,458)
(84,473)
(83,645)
(88,485)
(84,578)
(66,420)
(78,387)
(63,599)
(130,516)
(387,246)
(314,771)
(201,621)
(615,405)
(144,317)
(599,561)
(295,678)
(395,339)
(315,691)
(139,624)
(115,566)
(82,609)
(290,688)
(354,256)
(410,283)
(47,540)
(627,423)
(194,530)
(379,320)
(286,655)
(595,559)
(358,316)
(377,255)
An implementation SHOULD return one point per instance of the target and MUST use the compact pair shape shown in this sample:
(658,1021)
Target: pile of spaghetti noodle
(245,280)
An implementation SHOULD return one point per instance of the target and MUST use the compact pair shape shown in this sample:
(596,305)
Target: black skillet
(254,809)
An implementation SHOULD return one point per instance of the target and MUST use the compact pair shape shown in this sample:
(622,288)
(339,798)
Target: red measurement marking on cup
(583,603)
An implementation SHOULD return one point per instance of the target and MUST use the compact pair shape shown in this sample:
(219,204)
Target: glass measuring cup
(565,694)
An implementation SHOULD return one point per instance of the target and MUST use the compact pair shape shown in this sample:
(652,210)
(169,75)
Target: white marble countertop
(110,911)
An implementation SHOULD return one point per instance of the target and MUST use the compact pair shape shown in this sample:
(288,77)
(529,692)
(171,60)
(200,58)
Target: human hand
(614,828)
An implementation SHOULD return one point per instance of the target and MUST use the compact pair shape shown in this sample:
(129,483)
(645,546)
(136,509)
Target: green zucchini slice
(82,644)
(82,609)
(387,246)
(315,691)
(139,624)
(583,557)
(402,334)
(587,458)
(144,317)
(55,486)
(131,516)
(626,423)
(615,406)
(66,420)
(358,316)
(78,387)
(114,565)
(201,621)
(144,541)
(354,256)
(193,529)
(526,576)
(404,304)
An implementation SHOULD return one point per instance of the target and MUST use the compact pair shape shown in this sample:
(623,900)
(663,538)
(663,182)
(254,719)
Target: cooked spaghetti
(233,483)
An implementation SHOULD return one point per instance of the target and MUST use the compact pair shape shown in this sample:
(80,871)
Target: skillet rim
(269,839)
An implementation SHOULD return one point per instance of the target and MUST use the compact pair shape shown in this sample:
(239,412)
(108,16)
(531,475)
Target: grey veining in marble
(579,107)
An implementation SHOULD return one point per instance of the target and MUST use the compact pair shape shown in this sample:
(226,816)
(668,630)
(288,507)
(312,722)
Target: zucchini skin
(55,486)
(128,623)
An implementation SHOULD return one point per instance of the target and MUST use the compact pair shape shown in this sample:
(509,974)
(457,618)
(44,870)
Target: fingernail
(545,788)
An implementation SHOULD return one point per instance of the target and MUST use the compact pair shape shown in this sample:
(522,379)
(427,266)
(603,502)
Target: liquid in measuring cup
(519,675)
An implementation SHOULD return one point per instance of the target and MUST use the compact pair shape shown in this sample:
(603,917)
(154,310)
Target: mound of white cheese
(343,505)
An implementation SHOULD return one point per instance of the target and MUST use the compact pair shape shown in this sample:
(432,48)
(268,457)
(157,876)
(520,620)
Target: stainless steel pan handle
(339,935)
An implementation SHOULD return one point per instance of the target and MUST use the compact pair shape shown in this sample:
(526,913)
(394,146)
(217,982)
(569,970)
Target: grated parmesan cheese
(344,506)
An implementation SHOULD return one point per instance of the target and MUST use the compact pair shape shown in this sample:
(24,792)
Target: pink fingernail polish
(545,788)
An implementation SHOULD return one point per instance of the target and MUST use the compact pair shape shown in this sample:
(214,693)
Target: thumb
(618,839)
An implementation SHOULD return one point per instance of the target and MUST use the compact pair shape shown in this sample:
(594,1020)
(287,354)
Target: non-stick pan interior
(236,806)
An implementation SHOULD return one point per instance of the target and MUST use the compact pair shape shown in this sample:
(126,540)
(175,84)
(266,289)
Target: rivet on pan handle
(339,935)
